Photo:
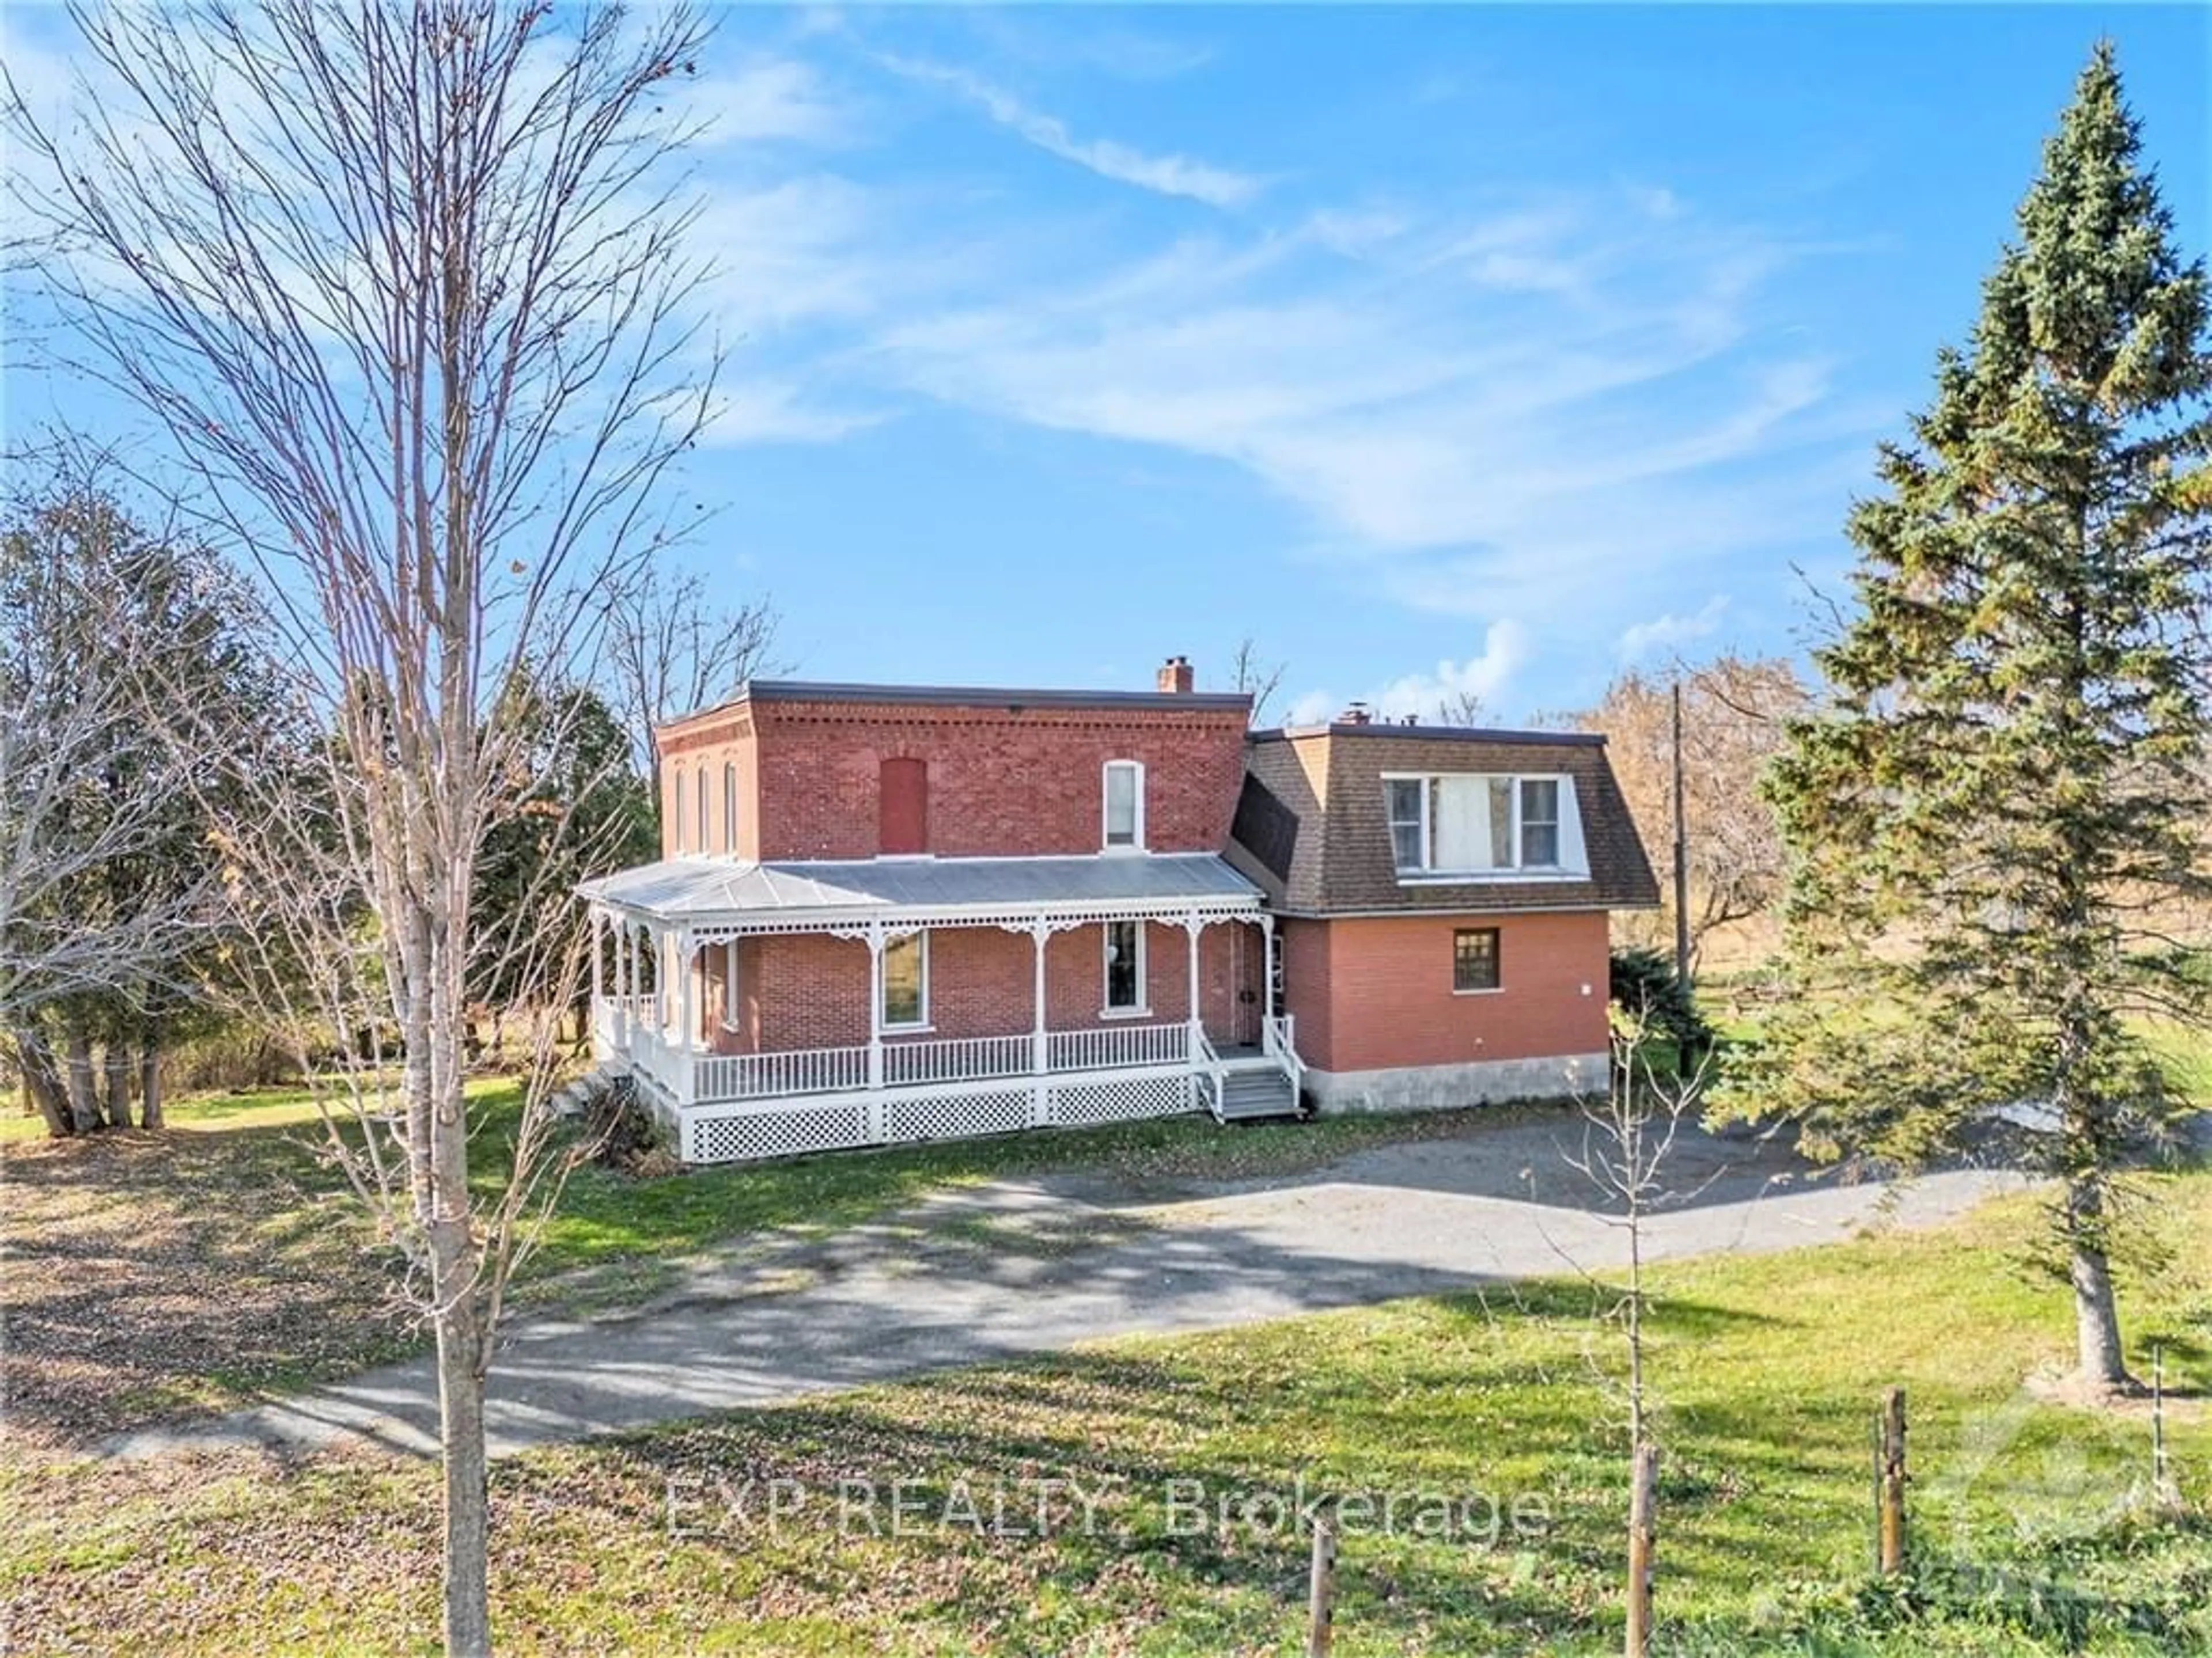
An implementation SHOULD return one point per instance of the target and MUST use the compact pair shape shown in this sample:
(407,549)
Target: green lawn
(1768,1368)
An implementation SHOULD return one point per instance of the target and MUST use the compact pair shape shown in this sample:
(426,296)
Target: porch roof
(724,889)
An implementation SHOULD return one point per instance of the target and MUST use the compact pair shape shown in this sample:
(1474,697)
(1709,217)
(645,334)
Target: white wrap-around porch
(652,925)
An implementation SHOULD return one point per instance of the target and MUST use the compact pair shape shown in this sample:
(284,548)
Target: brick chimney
(1357,715)
(1176,676)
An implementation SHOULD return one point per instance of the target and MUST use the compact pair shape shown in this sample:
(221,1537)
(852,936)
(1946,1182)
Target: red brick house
(894,912)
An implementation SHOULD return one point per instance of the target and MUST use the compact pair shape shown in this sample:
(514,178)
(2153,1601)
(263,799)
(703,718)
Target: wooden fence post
(1321,1587)
(2161,1481)
(1891,1560)
(1643,1534)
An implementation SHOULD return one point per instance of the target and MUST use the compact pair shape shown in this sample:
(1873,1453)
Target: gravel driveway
(1015,1267)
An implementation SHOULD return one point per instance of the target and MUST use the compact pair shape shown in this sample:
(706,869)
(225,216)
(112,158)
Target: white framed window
(906,982)
(1477,823)
(680,798)
(1123,791)
(1405,802)
(730,806)
(732,1012)
(1539,839)
(1125,968)
(705,836)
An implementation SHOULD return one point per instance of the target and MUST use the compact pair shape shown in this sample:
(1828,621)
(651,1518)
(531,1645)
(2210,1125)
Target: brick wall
(1390,1002)
(809,990)
(1000,782)
(1305,945)
(703,748)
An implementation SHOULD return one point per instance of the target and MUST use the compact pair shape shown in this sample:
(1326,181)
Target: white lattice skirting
(742,1131)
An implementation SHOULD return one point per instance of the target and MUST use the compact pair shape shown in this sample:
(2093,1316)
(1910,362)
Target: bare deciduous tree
(674,646)
(405,289)
(1733,710)
(1256,677)
(1460,708)
(1627,1139)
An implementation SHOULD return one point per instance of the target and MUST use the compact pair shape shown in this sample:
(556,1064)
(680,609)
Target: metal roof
(964,696)
(709,886)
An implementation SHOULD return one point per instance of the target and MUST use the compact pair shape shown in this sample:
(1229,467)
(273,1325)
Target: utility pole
(1681,854)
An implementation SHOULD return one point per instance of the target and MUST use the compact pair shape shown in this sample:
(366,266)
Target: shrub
(1645,986)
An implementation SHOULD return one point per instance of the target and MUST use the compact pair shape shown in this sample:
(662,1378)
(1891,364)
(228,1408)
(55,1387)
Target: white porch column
(1041,1053)
(1192,925)
(1267,983)
(875,1005)
(688,1076)
(626,974)
(598,944)
(659,979)
(1041,1060)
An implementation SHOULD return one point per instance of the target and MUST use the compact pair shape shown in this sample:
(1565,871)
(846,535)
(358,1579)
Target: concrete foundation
(1442,1087)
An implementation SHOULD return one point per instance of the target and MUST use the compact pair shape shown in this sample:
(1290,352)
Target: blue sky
(1474,348)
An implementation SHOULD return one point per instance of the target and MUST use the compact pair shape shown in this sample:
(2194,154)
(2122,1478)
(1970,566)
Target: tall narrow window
(706,839)
(1125,967)
(679,825)
(729,806)
(1125,803)
(1540,823)
(902,808)
(1408,835)
(906,981)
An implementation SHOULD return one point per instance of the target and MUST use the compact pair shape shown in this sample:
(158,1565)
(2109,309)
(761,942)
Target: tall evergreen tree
(2000,797)
(573,806)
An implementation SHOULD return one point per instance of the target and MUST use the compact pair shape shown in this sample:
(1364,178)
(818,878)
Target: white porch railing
(1114,1048)
(1281,1044)
(612,1015)
(958,1059)
(796,1070)
(659,1057)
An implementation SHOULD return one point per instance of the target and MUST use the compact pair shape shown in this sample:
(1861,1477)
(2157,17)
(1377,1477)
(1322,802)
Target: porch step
(1248,1094)
(575,1098)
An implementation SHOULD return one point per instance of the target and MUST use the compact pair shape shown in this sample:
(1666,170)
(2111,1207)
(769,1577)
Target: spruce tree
(2002,798)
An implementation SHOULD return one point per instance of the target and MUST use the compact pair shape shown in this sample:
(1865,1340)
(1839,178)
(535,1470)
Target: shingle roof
(1339,861)
(709,886)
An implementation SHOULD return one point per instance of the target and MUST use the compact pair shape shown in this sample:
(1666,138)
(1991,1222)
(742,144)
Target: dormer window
(1482,824)
(1125,805)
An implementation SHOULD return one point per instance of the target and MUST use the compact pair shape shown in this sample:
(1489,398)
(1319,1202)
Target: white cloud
(1671,631)
(1507,648)
(1167,175)
(766,100)
(1561,434)
(799,251)
(774,411)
